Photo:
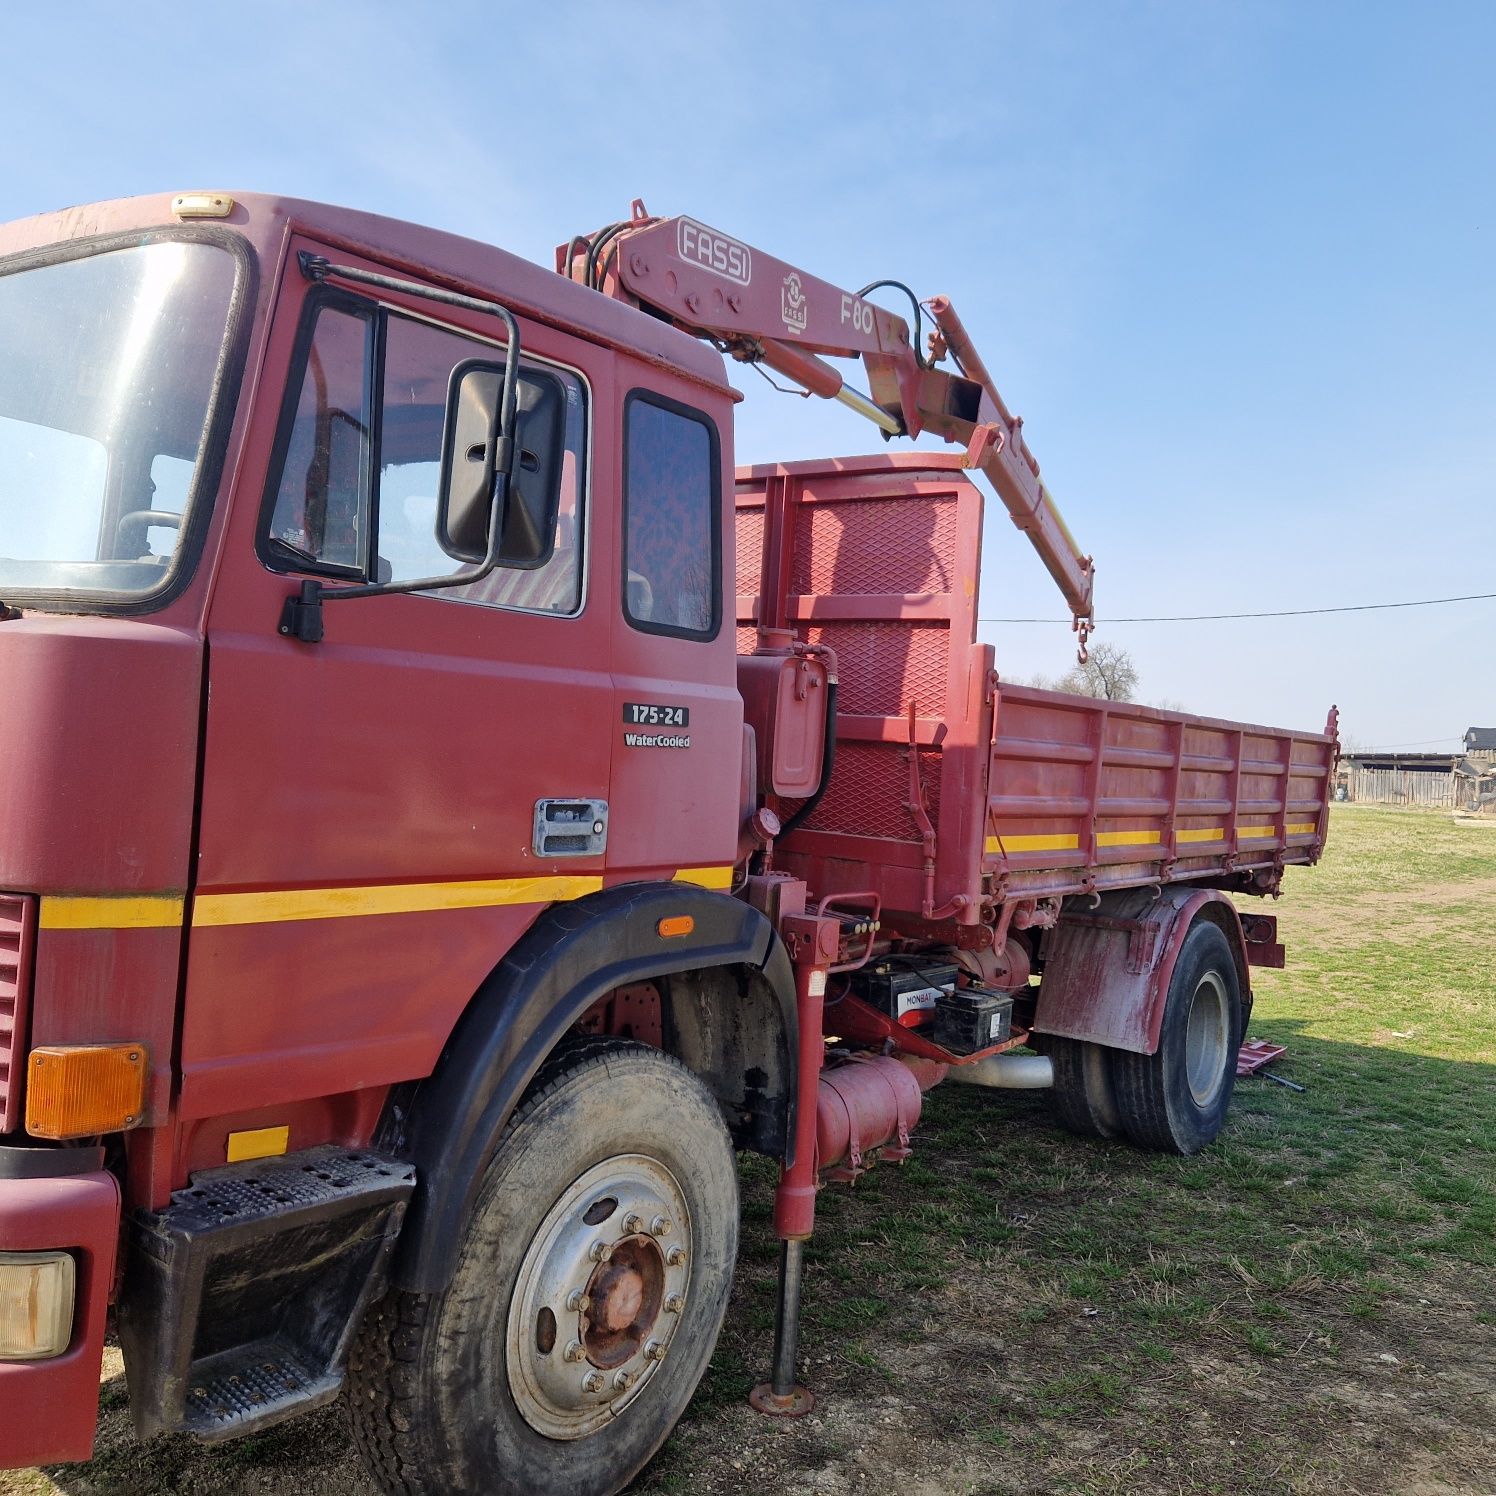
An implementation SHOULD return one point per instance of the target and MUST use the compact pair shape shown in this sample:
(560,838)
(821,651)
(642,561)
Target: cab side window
(320,516)
(356,490)
(672,518)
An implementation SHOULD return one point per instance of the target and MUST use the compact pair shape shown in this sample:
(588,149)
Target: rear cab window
(671,518)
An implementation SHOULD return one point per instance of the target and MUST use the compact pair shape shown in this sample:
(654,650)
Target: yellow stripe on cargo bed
(998,845)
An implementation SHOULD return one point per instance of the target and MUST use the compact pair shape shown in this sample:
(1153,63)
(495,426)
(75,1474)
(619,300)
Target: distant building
(1406,763)
(1431,779)
(1399,779)
(1480,742)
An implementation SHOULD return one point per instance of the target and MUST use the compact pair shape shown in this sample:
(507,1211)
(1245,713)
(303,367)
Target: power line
(1390,747)
(1425,602)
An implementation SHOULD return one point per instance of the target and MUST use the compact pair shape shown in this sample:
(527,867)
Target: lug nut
(592,1382)
(675,1256)
(674,1303)
(623,1380)
(601,1251)
(579,1301)
(573,1351)
(660,1226)
(631,1224)
(654,1351)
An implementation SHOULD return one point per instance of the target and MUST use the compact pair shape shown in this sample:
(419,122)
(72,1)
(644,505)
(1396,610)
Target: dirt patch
(976,1387)
(1308,1307)
(1417,910)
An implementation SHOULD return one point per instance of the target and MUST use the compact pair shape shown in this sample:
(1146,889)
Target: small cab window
(319,507)
(356,491)
(672,550)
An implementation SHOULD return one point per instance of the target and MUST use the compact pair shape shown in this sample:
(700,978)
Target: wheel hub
(1207,1040)
(599,1296)
(627,1296)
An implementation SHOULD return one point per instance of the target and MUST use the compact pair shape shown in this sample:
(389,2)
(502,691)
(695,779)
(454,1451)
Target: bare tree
(1108,674)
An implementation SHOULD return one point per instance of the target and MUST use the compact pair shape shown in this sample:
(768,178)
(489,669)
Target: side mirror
(470,484)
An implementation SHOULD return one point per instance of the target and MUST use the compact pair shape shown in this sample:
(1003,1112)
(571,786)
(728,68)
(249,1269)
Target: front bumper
(50,1408)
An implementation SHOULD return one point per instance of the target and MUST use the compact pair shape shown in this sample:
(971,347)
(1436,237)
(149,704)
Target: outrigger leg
(813,944)
(781,1396)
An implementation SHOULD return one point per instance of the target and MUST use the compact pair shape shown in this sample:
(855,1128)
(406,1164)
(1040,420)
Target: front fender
(572,956)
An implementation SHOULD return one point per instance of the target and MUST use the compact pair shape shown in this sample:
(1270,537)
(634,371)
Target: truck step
(243,1295)
(238,1199)
(253,1386)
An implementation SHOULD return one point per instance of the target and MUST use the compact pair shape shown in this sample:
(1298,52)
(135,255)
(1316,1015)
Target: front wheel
(592,1283)
(1175,1099)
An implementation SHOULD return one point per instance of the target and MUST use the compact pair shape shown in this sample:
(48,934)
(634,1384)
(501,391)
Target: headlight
(36,1304)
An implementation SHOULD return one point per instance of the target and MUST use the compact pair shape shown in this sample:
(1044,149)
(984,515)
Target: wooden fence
(1405,787)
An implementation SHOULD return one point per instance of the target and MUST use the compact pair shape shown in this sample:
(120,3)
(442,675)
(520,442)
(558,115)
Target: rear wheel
(591,1286)
(1175,1100)
(1082,1098)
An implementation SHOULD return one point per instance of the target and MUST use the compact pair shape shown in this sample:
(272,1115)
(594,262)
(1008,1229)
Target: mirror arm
(301,614)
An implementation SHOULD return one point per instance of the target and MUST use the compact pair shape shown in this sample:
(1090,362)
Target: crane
(761,310)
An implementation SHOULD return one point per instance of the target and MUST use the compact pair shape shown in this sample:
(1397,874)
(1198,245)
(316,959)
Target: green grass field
(1308,1306)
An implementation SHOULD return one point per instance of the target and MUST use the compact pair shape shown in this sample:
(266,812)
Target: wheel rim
(1207,1040)
(599,1296)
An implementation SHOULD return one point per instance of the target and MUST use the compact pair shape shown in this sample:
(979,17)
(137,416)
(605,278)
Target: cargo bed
(953,791)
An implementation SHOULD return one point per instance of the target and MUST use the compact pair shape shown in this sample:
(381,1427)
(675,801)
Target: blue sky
(1235,264)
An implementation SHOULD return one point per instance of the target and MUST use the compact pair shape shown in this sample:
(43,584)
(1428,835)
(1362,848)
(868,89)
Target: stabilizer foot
(799,1401)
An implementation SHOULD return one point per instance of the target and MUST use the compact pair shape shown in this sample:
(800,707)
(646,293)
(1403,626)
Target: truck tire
(591,1285)
(1082,1097)
(1175,1100)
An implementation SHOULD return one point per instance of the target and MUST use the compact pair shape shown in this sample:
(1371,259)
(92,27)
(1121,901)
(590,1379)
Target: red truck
(417,889)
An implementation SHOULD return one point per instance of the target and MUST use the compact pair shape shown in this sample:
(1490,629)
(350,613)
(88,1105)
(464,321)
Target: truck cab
(252,883)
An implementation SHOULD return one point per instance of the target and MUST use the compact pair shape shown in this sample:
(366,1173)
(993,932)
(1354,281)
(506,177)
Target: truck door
(678,715)
(368,846)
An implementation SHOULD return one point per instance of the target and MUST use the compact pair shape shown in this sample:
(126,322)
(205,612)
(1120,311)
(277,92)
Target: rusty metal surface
(1256,1053)
(1260,931)
(629,1012)
(1106,974)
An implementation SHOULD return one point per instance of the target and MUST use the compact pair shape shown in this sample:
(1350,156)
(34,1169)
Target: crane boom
(762,310)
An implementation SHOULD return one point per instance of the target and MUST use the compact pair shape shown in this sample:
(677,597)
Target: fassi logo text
(703,246)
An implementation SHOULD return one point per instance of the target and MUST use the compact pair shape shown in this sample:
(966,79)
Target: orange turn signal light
(675,924)
(77,1090)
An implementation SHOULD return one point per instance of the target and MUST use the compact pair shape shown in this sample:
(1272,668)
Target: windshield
(107,364)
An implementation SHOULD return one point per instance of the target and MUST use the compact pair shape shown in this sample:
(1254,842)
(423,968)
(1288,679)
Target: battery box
(970,1019)
(905,988)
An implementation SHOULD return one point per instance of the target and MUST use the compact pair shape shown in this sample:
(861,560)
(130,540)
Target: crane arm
(762,310)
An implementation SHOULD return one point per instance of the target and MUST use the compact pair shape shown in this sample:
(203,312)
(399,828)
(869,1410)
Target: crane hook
(1082,627)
